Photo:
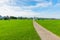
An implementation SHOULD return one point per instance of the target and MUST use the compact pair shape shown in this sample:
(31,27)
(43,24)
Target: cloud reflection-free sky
(30,8)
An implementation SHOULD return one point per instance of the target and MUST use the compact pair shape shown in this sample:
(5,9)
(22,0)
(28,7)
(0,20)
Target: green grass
(51,25)
(17,30)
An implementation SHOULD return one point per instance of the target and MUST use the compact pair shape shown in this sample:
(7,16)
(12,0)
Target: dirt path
(43,33)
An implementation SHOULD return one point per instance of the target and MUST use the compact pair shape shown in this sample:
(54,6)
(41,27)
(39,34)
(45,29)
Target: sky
(30,8)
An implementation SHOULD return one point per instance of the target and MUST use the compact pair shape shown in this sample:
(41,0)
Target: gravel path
(43,33)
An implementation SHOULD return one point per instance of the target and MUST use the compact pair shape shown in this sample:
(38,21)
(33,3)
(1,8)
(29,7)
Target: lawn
(51,25)
(17,30)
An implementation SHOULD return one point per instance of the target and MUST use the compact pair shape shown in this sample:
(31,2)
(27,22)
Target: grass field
(51,25)
(17,30)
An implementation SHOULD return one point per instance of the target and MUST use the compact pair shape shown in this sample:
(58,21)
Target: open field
(17,30)
(51,25)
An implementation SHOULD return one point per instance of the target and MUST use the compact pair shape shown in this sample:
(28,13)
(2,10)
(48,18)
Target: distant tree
(25,18)
(6,18)
(1,17)
(30,18)
(20,17)
(12,17)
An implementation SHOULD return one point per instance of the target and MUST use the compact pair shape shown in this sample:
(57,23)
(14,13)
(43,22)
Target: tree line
(13,17)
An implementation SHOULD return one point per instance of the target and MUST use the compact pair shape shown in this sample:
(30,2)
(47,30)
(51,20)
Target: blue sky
(30,8)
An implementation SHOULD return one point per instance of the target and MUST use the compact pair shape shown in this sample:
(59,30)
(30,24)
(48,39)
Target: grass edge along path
(51,25)
(43,33)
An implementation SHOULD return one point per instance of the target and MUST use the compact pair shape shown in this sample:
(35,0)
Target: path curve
(43,33)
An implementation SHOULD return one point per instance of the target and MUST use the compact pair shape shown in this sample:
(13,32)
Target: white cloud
(3,1)
(14,10)
(43,4)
